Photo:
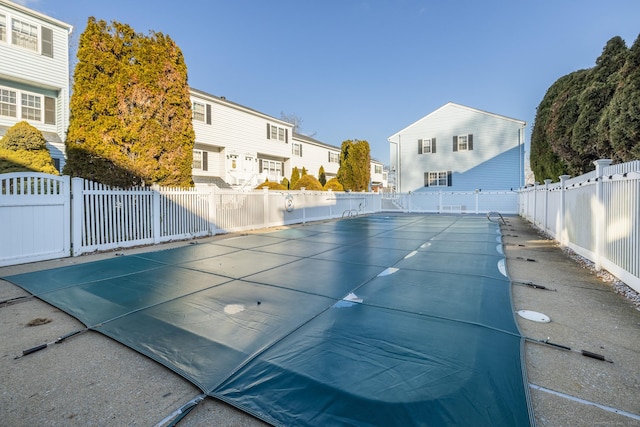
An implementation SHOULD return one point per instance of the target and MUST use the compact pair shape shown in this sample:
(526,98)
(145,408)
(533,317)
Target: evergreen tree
(130,120)
(304,172)
(295,176)
(24,149)
(322,177)
(355,165)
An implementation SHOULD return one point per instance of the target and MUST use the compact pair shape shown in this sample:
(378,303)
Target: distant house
(239,147)
(34,74)
(458,148)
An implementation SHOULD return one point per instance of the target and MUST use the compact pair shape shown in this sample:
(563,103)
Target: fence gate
(34,217)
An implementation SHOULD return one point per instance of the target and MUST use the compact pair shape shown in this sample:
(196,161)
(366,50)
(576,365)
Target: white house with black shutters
(34,74)
(459,148)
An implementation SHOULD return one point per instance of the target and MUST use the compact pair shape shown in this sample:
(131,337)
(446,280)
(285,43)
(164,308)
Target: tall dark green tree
(355,165)
(589,114)
(130,120)
(322,176)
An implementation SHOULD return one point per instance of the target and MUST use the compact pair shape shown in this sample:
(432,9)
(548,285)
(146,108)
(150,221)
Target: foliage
(130,121)
(303,172)
(24,149)
(271,185)
(334,185)
(590,114)
(309,182)
(355,165)
(295,176)
(285,183)
(322,176)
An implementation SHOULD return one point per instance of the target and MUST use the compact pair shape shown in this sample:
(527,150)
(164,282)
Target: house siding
(30,71)
(494,162)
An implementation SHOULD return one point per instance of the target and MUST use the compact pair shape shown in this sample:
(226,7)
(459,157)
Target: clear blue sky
(364,69)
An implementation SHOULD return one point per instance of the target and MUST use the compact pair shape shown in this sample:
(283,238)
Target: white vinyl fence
(469,202)
(597,215)
(34,217)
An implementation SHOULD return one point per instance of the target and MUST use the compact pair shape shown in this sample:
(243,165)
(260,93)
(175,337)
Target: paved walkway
(92,380)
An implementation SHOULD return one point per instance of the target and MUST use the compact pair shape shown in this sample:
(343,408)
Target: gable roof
(464,107)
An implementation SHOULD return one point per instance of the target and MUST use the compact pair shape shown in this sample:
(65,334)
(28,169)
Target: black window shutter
(419,146)
(46,45)
(455,143)
(470,139)
(49,110)
(433,145)
(268,131)
(260,166)
(300,150)
(286,138)
(205,160)
(329,154)
(426,179)
(449,179)
(208,114)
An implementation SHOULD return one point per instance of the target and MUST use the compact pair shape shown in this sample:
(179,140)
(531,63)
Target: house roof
(464,107)
(36,14)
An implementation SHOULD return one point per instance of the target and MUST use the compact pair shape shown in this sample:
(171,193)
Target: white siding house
(311,154)
(34,74)
(236,145)
(458,148)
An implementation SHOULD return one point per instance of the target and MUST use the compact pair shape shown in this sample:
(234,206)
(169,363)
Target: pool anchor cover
(380,320)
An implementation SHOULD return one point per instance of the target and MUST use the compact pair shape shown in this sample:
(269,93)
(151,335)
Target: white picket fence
(596,215)
(467,202)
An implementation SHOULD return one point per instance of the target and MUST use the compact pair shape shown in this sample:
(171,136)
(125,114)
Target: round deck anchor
(534,316)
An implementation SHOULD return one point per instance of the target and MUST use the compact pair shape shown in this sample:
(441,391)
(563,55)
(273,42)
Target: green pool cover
(379,320)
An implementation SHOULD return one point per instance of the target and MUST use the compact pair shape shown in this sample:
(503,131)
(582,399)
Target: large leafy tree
(24,149)
(590,114)
(130,118)
(355,165)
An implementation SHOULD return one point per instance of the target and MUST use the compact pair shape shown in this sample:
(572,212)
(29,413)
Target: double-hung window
(277,133)
(3,28)
(334,157)
(8,103)
(377,169)
(437,179)
(31,107)
(426,146)
(198,111)
(463,142)
(24,34)
(297,149)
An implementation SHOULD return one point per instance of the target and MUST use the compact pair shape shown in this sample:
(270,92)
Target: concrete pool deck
(93,380)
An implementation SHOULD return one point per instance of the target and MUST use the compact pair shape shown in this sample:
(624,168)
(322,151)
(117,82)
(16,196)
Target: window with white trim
(437,179)
(198,111)
(463,142)
(377,169)
(271,168)
(31,107)
(277,133)
(3,28)
(334,157)
(24,34)
(8,105)
(197,160)
(426,146)
(297,149)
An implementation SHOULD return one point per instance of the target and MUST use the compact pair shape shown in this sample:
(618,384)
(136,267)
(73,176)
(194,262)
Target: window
(197,159)
(334,157)
(437,179)
(463,142)
(24,35)
(7,103)
(426,146)
(297,149)
(377,169)
(198,111)
(277,133)
(3,28)
(31,107)
(271,168)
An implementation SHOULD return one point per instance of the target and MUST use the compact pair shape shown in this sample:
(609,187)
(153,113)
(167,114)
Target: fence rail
(596,215)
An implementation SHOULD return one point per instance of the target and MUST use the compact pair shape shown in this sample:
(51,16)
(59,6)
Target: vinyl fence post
(77,215)
(561,232)
(546,204)
(600,212)
(211,200)
(155,212)
(265,199)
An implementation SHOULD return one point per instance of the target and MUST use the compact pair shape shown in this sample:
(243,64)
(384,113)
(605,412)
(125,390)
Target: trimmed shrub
(334,185)
(271,186)
(309,182)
